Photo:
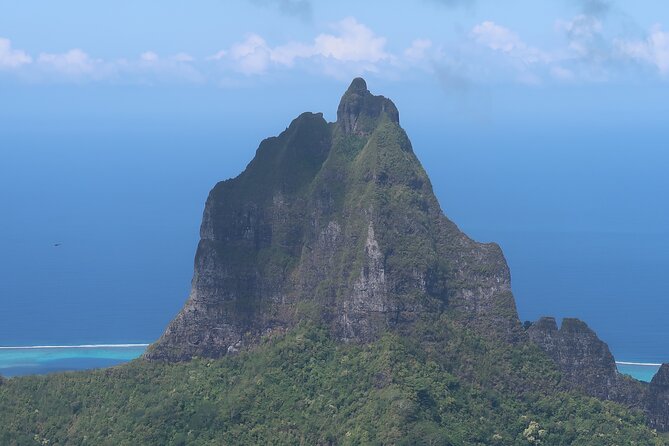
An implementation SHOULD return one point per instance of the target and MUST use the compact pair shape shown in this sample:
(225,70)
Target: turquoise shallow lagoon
(16,361)
(643,372)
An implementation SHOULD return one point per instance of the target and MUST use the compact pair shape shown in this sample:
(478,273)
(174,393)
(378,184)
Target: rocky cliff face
(334,221)
(585,361)
(588,366)
(657,400)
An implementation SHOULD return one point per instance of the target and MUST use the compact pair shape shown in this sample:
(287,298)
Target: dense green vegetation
(304,388)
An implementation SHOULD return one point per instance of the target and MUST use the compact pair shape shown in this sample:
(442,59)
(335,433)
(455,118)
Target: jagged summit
(336,223)
(546,324)
(586,361)
(358,85)
(359,110)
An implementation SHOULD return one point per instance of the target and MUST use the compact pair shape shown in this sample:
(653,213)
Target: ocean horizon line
(36,347)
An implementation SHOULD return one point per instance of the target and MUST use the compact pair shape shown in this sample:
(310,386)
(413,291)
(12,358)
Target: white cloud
(149,57)
(183,57)
(587,56)
(583,33)
(11,58)
(499,38)
(147,68)
(496,37)
(489,53)
(252,56)
(418,49)
(515,58)
(288,53)
(74,62)
(218,56)
(152,68)
(353,43)
(562,74)
(654,50)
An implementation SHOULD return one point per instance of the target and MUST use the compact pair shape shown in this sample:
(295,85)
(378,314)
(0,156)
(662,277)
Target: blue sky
(225,43)
(541,124)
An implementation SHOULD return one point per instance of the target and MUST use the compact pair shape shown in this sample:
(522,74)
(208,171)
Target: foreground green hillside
(451,388)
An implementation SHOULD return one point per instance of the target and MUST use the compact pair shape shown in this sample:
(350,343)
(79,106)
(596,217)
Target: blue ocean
(103,190)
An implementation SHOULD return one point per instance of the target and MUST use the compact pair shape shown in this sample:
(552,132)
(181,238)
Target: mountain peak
(337,224)
(360,111)
(358,85)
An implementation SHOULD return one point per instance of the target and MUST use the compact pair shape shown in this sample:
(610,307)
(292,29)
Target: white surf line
(642,364)
(34,347)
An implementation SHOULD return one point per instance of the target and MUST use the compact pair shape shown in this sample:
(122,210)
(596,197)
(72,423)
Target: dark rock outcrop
(657,401)
(585,361)
(334,221)
(588,366)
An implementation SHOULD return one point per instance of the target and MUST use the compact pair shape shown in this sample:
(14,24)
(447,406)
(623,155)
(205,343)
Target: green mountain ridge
(333,302)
